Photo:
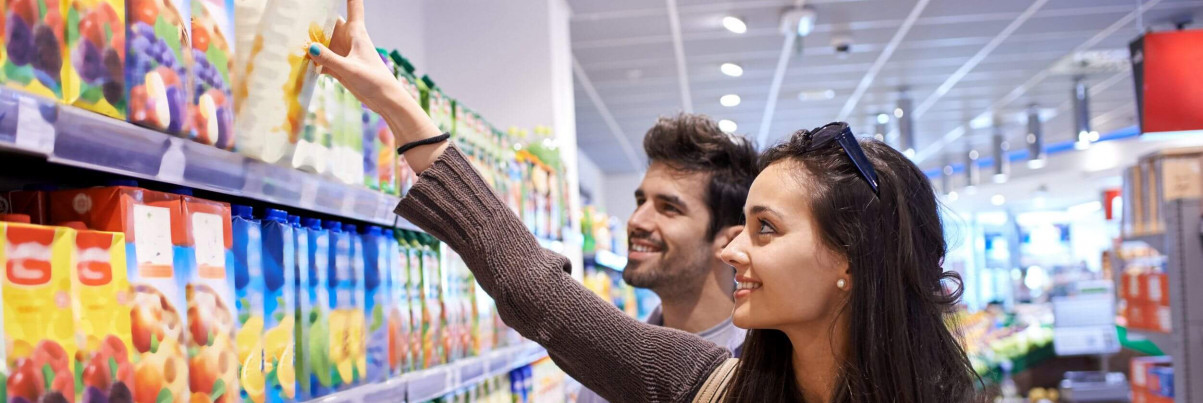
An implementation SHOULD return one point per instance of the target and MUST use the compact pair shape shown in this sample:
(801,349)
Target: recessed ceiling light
(731,69)
(898,113)
(1036,164)
(883,118)
(1000,178)
(727,126)
(998,200)
(729,100)
(816,95)
(953,196)
(734,24)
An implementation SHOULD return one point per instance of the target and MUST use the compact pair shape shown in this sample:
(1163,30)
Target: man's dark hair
(694,143)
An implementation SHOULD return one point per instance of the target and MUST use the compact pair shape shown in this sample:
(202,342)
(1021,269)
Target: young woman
(838,266)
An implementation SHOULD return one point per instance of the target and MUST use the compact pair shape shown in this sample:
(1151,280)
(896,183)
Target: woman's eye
(766,228)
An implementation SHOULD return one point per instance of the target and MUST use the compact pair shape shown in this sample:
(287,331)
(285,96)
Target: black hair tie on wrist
(433,140)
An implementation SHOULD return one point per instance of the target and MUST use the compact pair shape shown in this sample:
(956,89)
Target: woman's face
(787,276)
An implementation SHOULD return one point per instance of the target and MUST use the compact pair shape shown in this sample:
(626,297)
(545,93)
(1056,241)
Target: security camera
(842,45)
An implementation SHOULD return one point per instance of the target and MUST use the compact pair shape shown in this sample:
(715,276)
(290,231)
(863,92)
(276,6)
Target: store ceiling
(1009,54)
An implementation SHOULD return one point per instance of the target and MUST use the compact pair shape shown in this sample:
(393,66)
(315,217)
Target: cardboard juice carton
(156,258)
(437,105)
(212,310)
(398,313)
(212,98)
(279,256)
(33,42)
(357,330)
(371,145)
(319,369)
(341,291)
(404,71)
(249,293)
(376,304)
(278,80)
(94,52)
(100,301)
(433,350)
(413,289)
(386,147)
(313,152)
(301,308)
(39,329)
(158,59)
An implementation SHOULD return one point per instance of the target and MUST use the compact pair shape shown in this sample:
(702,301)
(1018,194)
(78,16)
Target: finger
(355,10)
(330,62)
(339,42)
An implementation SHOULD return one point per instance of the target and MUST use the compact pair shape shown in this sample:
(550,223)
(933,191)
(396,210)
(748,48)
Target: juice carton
(38,323)
(313,147)
(249,290)
(433,328)
(100,301)
(278,264)
(153,224)
(412,256)
(213,354)
(352,145)
(30,202)
(213,50)
(404,71)
(341,291)
(398,315)
(371,145)
(158,59)
(33,38)
(376,304)
(386,147)
(437,105)
(93,75)
(317,375)
(301,308)
(278,81)
(357,329)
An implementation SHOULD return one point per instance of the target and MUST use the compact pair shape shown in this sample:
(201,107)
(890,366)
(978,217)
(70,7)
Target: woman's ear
(725,236)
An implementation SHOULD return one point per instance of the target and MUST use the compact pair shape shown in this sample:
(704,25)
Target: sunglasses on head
(840,132)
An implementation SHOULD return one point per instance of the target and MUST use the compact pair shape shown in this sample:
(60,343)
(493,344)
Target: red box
(1139,395)
(1159,288)
(1139,370)
(1155,398)
(1165,71)
(33,203)
(1130,286)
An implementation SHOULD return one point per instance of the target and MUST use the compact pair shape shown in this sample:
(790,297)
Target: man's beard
(666,273)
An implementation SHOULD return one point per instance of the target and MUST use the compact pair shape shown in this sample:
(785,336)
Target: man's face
(668,247)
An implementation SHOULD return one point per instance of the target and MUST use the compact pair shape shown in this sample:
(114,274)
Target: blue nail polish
(314,50)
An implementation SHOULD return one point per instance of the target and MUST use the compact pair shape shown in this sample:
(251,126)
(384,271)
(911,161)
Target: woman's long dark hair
(901,341)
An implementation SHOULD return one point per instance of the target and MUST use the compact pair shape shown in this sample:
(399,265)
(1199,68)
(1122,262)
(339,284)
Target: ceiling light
(732,69)
(883,118)
(909,153)
(800,21)
(729,100)
(816,95)
(727,126)
(1036,164)
(898,112)
(953,196)
(734,24)
(998,200)
(1000,178)
(1035,139)
(1002,161)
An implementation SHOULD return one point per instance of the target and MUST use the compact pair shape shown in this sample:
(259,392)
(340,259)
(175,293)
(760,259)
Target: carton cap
(313,223)
(16,218)
(276,215)
(295,220)
(388,232)
(374,230)
(333,226)
(242,211)
(350,228)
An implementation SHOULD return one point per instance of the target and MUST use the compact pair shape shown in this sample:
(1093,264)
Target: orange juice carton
(357,329)
(94,50)
(212,99)
(39,328)
(101,299)
(156,262)
(249,294)
(343,316)
(213,359)
(279,300)
(277,79)
(158,58)
(33,43)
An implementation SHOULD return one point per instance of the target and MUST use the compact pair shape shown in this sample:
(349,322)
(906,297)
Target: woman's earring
(841,283)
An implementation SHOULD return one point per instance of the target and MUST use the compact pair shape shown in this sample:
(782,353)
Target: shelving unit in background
(1182,245)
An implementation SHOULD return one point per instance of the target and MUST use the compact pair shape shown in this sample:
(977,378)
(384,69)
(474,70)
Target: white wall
(592,179)
(620,194)
(399,25)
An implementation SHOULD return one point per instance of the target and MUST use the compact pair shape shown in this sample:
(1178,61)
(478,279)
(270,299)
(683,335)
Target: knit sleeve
(622,359)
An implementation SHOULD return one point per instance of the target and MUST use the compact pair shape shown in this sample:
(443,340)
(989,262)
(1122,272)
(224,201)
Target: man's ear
(725,236)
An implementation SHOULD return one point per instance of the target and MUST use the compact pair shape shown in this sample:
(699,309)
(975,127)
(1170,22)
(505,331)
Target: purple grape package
(157,62)
(33,37)
(94,74)
(213,50)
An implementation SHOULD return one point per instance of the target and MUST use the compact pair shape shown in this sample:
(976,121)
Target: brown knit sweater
(620,358)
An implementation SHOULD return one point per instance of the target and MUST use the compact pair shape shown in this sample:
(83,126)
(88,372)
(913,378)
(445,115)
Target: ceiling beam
(766,121)
(615,129)
(882,58)
(952,136)
(674,23)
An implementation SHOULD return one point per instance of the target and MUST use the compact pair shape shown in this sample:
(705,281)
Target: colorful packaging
(349,144)
(278,80)
(93,72)
(371,145)
(39,329)
(437,105)
(320,369)
(213,355)
(433,329)
(212,99)
(33,203)
(398,315)
(376,304)
(278,264)
(386,147)
(302,307)
(357,330)
(33,38)
(157,64)
(341,283)
(249,291)
(313,148)
(156,258)
(416,301)
(100,301)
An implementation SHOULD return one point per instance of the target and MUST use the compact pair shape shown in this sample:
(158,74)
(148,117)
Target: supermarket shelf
(1156,241)
(607,259)
(1164,341)
(552,245)
(72,136)
(436,382)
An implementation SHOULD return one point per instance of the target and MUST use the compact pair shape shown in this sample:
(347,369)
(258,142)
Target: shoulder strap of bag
(716,384)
